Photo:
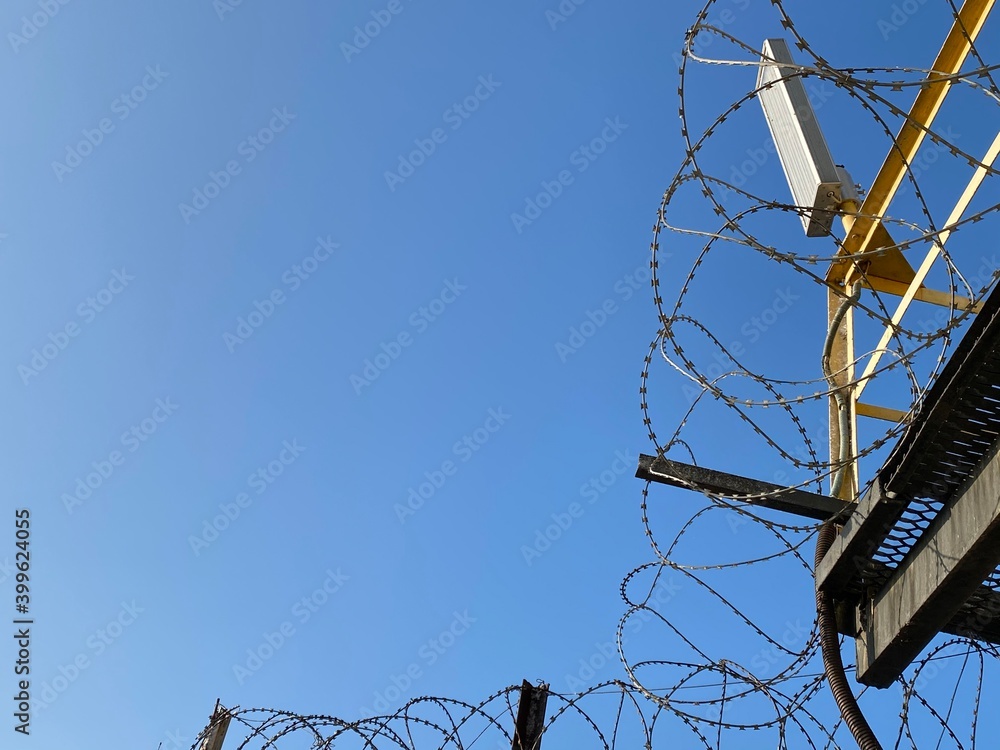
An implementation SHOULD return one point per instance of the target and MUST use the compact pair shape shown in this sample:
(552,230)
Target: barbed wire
(730,679)
(743,221)
(608,715)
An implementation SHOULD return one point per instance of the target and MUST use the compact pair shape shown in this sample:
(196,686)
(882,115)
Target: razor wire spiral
(682,687)
(789,692)
(609,715)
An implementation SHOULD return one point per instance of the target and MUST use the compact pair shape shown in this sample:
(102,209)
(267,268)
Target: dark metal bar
(800,502)
(215,733)
(961,386)
(860,538)
(945,568)
(530,721)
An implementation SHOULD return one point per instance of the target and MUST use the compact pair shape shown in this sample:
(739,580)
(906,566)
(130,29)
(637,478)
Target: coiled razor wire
(609,715)
(782,694)
(721,674)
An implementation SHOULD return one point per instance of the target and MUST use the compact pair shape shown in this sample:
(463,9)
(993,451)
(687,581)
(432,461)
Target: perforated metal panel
(956,431)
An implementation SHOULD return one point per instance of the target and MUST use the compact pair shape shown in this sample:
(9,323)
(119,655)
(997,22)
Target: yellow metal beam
(865,231)
(880,412)
(888,264)
(931,296)
(949,61)
(932,255)
(842,370)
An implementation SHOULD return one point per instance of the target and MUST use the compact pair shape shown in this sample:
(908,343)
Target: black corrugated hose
(833,664)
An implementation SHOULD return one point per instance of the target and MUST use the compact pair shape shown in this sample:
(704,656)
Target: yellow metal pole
(843,427)
(864,230)
(932,94)
(932,255)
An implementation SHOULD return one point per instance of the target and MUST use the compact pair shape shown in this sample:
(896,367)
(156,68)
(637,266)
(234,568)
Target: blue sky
(317,332)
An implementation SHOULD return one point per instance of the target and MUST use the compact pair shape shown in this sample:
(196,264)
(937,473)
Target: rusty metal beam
(765,494)
(530,722)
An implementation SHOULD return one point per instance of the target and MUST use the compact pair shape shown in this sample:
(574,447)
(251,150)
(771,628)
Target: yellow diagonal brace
(931,296)
(949,61)
(880,412)
(932,255)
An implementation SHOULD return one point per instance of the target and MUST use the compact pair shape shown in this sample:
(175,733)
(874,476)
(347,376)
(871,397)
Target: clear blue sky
(325,291)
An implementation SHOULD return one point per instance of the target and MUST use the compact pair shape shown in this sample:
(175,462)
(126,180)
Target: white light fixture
(816,182)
